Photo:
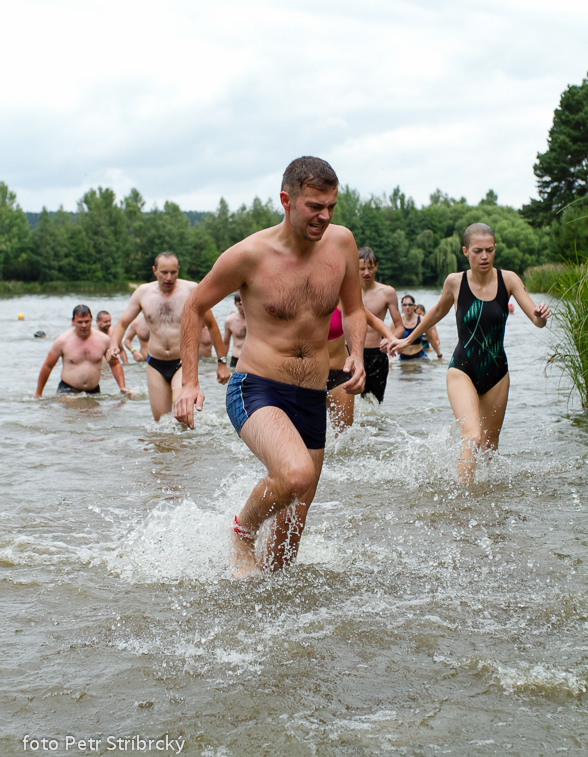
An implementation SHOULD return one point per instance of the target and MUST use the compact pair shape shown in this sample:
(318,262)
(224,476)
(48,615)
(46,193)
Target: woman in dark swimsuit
(410,320)
(477,379)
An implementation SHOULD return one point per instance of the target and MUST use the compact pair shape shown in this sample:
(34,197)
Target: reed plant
(571,315)
(542,278)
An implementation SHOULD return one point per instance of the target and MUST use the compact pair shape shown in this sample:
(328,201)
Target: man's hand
(222,373)
(184,408)
(356,383)
(112,351)
(124,390)
(396,345)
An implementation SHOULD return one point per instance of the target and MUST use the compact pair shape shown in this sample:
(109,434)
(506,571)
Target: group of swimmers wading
(309,316)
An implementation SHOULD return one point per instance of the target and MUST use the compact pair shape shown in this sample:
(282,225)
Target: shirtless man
(205,347)
(139,329)
(236,327)
(161,302)
(290,277)
(379,299)
(103,323)
(81,349)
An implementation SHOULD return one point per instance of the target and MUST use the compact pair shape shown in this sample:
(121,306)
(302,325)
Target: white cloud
(193,101)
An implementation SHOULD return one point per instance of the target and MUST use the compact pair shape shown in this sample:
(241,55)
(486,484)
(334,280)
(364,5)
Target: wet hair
(308,172)
(481,229)
(101,314)
(408,297)
(164,255)
(367,254)
(81,310)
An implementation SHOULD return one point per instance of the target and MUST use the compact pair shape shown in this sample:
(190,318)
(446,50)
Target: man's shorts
(377,367)
(337,377)
(306,408)
(65,388)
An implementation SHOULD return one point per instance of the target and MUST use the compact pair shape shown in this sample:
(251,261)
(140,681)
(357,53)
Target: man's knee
(297,478)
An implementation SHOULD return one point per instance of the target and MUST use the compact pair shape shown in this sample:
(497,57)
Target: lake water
(422,617)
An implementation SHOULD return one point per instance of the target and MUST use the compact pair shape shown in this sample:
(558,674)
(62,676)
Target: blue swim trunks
(306,408)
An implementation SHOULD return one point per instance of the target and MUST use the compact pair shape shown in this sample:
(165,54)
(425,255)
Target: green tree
(217,225)
(133,207)
(15,240)
(445,257)
(569,236)
(562,171)
(166,230)
(103,223)
(348,210)
(50,245)
(203,253)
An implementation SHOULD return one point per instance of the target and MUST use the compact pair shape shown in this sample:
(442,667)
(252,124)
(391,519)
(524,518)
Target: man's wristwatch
(222,360)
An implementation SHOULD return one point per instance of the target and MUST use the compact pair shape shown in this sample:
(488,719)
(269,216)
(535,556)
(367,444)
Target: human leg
(340,405)
(465,404)
(492,410)
(281,548)
(160,393)
(292,476)
(176,385)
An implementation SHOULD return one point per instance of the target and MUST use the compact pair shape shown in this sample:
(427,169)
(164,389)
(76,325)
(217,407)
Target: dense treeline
(108,241)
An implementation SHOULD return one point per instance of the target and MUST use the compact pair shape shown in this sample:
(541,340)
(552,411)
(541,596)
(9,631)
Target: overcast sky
(192,101)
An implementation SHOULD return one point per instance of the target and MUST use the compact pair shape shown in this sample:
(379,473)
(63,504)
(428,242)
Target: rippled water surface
(422,618)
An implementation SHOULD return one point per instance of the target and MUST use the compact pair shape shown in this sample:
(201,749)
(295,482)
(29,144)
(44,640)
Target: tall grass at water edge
(570,313)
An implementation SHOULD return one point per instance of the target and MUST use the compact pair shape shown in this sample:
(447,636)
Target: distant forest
(114,242)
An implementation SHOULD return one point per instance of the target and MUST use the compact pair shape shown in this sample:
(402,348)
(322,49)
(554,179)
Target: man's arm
(55,353)
(377,325)
(222,372)
(228,332)
(131,312)
(119,375)
(354,320)
(227,275)
(392,303)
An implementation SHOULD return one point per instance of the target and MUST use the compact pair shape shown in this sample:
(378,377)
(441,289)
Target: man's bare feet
(242,554)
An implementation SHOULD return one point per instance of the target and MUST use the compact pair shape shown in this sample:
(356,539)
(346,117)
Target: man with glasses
(379,299)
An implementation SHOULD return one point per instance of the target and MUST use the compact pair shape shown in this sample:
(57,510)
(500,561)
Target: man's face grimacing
(166,273)
(367,271)
(311,212)
(82,325)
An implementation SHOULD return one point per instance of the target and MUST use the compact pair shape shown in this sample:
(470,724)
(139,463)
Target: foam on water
(533,678)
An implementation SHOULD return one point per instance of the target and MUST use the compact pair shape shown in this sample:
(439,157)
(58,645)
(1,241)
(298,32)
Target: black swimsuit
(480,325)
(167,368)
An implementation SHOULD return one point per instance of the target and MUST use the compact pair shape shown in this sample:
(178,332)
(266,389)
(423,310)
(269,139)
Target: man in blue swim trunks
(161,302)
(290,278)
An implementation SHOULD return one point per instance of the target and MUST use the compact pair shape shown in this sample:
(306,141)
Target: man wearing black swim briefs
(161,302)
(290,278)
